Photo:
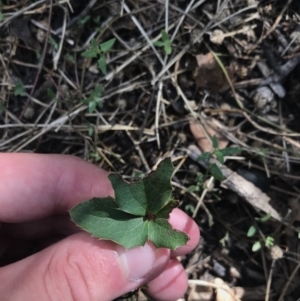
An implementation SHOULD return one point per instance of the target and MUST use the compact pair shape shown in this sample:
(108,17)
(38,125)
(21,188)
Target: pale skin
(36,192)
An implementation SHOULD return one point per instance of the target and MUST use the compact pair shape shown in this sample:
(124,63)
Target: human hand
(36,191)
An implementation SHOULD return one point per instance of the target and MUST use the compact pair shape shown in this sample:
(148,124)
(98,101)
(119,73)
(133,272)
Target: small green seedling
(213,169)
(165,42)
(139,212)
(84,20)
(95,156)
(94,100)
(268,241)
(99,52)
(19,89)
(51,94)
(54,44)
(220,154)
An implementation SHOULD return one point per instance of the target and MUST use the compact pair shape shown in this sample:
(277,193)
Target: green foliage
(84,20)
(268,241)
(94,100)
(264,218)
(251,232)
(213,168)
(1,17)
(165,42)
(70,58)
(216,172)
(102,64)
(204,156)
(53,43)
(139,212)
(19,89)
(95,156)
(256,246)
(224,240)
(199,183)
(51,94)
(99,51)
(90,130)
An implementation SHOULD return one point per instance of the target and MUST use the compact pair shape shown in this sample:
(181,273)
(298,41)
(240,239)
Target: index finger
(35,186)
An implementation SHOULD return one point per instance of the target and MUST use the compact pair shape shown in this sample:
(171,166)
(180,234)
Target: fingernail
(138,262)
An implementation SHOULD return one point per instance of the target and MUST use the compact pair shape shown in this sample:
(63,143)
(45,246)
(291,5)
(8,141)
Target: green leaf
(269,242)
(53,43)
(215,142)
(159,44)
(168,49)
(90,130)
(92,106)
(165,37)
(204,157)
(264,218)
(19,89)
(102,64)
(94,45)
(96,156)
(216,172)
(200,178)
(219,156)
(251,232)
(51,94)
(90,53)
(228,151)
(106,46)
(70,58)
(1,17)
(97,19)
(256,246)
(139,212)
(193,188)
(83,20)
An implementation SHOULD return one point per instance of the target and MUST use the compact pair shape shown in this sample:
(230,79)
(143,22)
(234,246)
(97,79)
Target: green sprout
(19,89)
(165,42)
(268,241)
(213,168)
(99,52)
(94,100)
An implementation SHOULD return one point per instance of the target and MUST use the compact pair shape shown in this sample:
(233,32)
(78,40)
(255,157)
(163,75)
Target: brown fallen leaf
(209,74)
(203,293)
(224,292)
(201,139)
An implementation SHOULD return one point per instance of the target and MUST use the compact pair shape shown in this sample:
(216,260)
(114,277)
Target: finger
(36,186)
(170,285)
(57,224)
(81,268)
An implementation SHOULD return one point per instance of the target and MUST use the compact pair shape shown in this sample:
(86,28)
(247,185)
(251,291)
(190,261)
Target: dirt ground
(181,78)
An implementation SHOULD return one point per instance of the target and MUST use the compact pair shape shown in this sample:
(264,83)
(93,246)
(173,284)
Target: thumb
(81,268)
